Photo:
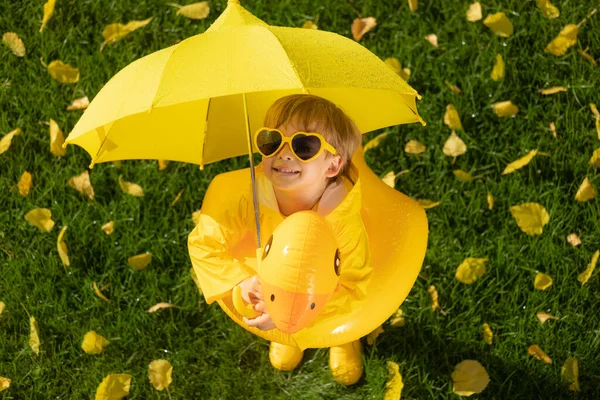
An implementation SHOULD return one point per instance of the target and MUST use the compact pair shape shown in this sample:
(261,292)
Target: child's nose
(285,152)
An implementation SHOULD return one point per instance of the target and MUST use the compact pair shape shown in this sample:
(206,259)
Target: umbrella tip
(64,145)
(92,165)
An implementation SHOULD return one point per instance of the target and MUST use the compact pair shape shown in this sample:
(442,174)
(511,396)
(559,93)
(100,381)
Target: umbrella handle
(252,177)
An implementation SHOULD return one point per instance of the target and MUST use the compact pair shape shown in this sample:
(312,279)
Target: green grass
(212,356)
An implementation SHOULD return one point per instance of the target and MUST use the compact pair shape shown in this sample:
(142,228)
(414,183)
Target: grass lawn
(213,357)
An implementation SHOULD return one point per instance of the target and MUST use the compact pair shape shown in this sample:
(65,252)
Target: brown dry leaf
(471,269)
(587,56)
(4,383)
(452,119)
(585,192)
(553,90)
(395,65)
(159,306)
(543,317)
(376,141)
(131,188)
(309,25)
(99,293)
(573,239)
(498,69)
(548,9)
(488,335)
(40,218)
(565,39)
(505,109)
(585,275)
(196,217)
(62,247)
(193,11)
(454,146)
(14,43)
(413,4)
(455,89)
(394,384)
(462,175)
(48,12)
(428,203)
(520,163)
(490,200)
(7,139)
(109,227)
(360,26)
(535,350)
(62,72)
(140,261)
(116,31)
(414,147)
(474,12)
(177,198)
(469,377)
(24,184)
(570,371)
(372,337)
(499,24)
(162,164)
(433,39)
(542,281)
(397,320)
(57,138)
(553,129)
(530,217)
(159,373)
(82,184)
(94,343)
(34,335)
(594,110)
(79,104)
(114,387)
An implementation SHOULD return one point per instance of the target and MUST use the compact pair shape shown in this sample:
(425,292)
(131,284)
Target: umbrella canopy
(197,101)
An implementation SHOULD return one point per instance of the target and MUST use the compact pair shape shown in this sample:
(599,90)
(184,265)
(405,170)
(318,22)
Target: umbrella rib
(304,89)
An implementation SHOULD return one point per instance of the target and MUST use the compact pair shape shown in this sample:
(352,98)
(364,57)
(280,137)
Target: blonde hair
(316,114)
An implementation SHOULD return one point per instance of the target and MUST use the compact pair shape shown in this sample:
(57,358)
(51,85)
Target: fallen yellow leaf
(414,147)
(570,371)
(487,333)
(116,31)
(585,192)
(34,335)
(499,24)
(537,352)
(162,164)
(587,56)
(309,25)
(505,109)
(99,293)
(434,297)
(62,247)
(193,11)
(530,217)
(159,373)
(452,119)
(474,12)
(585,275)
(552,90)
(455,89)
(131,188)
(471,269)
(550,11)
(490,200)
(462,175)
(397,320)
(395,65)
(7,139)
(94,343)
(371,337)
(14,43)
(159,306)
(565,39)
(79,104)
(109,227)
(433,39)
(24,184)
(469,377)
(82,184)
(360,26)
(394,384)
(114,387)
(139,261)
(56,139)
(543,317)
(454,146)
(520,163)
(428,203)
(62,72)
(498,69)
(413,4)
(40,218)
(376,141)
(4,383)
(542,281)
(594,110)
(2,307)
(390,179)
(177,198)
(48,12)
(553,129)
(573,239)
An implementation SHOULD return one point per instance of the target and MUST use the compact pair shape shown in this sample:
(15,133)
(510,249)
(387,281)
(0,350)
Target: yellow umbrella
(197,101)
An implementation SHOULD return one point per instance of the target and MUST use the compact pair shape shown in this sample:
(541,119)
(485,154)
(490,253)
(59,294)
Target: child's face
(307,175)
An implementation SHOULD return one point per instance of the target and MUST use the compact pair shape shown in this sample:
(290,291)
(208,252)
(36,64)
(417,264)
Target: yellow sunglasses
(305,145)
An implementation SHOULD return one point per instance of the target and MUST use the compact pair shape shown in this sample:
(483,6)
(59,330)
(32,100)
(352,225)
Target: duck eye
(336,263)
(272,297)
(268,247)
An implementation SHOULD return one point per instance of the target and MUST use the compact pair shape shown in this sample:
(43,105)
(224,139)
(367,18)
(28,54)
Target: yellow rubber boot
(283,357)
(346,363)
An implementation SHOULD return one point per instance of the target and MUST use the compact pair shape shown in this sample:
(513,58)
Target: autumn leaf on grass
(159,373)
(24,184)
(505,109)
(397,320)
(471,269)
(79,104)
(585,192)
(573,239)
(390,178)
(4,383)
(108,227)
(140,261)
(131,188)
(428,203)
(160,306)
(595,159)
(432,39)
(434,299)
(455,89)
(535,350)
(543,317)
(594,111)
(372,337)
(530,217)
(520,163)
(57,138)
(498,69)
(193,11)
(99,293)
(177,198)
(499,24)
(360,26)
(116,31)
(2,307)
(587,56)
(487,333)
(94,343)
(469,377)
(490,200)
(48,12)
(34,335)
(585,275)
(14,43)
(565,39)
(548,9)
(474,12)
(552,90)
(376,141)
(414,147)
(62,72)
(82,184)
(394,385)
(162,164)
(395,65)
(553,129)
(40,218)
(114,387)
(462,175)
(452,119)
(309,25)
(542,281)
(570,371)
(7,139)
(413,4)
(454,146)
(62,247)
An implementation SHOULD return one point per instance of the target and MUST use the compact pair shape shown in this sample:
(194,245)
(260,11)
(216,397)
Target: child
(308,173)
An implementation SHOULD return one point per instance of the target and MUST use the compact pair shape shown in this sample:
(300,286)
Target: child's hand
(263,322)
(251,291)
